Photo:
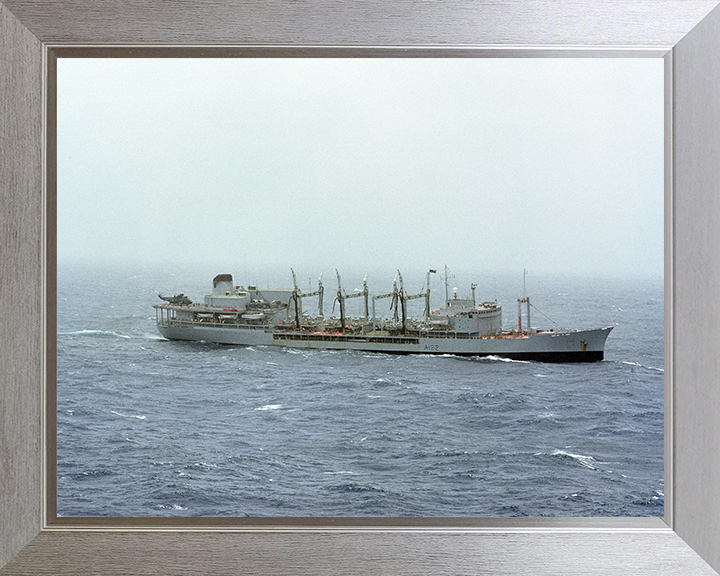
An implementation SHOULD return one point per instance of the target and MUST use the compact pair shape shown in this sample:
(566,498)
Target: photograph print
(360,287)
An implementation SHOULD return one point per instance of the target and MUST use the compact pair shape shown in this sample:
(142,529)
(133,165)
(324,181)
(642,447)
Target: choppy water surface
(150,427)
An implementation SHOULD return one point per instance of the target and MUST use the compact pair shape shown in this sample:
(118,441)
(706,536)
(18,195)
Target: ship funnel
(223,284)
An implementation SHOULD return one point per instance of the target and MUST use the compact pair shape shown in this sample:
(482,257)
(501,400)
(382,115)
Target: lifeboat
(254,316)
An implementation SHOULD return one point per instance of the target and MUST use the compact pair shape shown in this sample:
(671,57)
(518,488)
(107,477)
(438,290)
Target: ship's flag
(433,271)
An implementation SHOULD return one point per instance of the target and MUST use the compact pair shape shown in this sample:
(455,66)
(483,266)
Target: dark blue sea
(151,427)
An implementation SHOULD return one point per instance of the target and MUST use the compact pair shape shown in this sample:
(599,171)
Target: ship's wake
(106,333)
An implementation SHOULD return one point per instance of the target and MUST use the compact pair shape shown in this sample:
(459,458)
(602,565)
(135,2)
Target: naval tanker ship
(250,316)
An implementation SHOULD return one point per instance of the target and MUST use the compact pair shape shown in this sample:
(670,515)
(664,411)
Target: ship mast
(447,290)
(427,293)
(402,303)
(527,301)
(447,294)
(524,300)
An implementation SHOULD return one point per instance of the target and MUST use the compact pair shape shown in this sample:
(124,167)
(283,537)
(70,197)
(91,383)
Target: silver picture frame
(687,541)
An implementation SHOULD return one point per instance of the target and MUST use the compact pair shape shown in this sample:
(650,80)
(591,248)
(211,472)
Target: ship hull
(550,346)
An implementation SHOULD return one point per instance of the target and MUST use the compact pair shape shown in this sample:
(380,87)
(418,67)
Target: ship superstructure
(247,315)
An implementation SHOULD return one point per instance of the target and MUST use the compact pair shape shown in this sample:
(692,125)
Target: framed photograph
(394,543)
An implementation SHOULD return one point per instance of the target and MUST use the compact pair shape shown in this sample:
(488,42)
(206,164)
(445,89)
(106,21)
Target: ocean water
(151,427)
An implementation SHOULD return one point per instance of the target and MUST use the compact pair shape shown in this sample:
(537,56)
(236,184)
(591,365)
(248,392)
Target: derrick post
(527,300)
(295,299)
(427,293)
(342,311)
(341,301)
(321,291)
(402,302)
(366,294)
(520,315)
(394,301)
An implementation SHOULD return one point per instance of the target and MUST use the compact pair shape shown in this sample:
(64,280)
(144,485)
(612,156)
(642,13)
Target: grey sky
(555,165)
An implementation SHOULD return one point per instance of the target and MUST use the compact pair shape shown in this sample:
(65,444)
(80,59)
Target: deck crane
(297,297)
(404,297)
(393,303)
(342,296)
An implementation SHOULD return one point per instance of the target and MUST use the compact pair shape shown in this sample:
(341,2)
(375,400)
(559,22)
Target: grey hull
(556,346)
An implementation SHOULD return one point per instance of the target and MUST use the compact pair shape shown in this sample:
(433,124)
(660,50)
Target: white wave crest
(153,337)
(173,507)
(581,459)
(642,366)
(93,333)
(270,407)
(128,415)
(501,359)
